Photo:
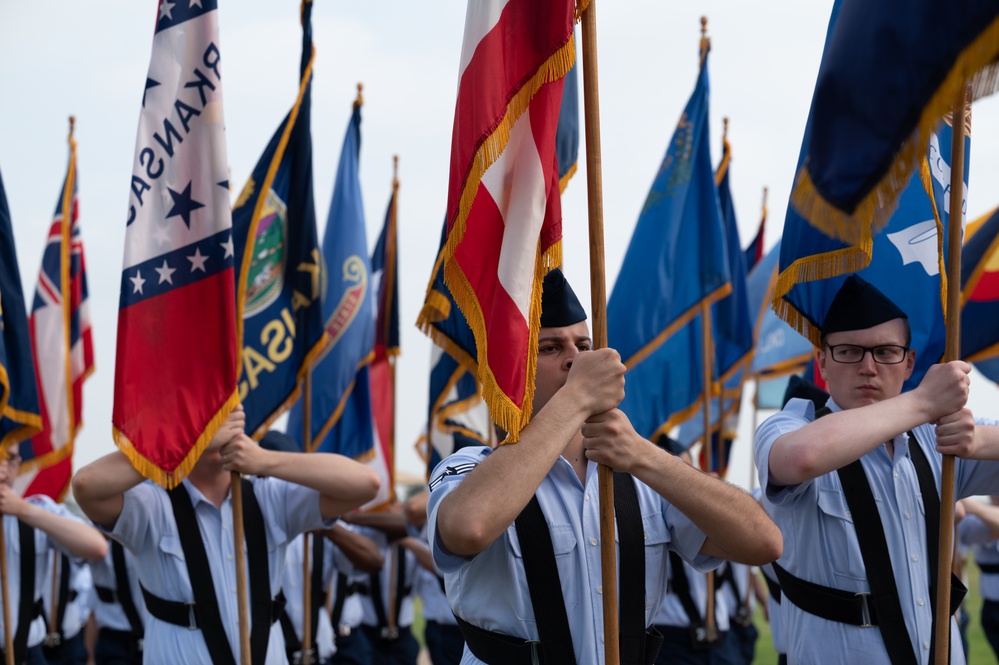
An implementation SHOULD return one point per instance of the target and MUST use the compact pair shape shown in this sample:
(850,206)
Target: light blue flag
(341,418)
(780,349)
(676,264)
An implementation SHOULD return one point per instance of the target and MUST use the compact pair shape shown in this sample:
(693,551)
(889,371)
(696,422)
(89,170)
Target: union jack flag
(62,346)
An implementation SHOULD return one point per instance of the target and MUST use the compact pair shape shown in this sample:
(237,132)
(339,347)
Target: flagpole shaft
(8,636)
(952,351)
(236,490)
(306,577)
(598,307)
(707,360)
(752,447)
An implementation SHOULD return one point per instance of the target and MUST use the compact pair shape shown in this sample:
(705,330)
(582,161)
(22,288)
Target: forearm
(75,537)
(420,551)
(737,528)
(491,496)
(838,439)
(342,483)
(361,550)
(392,524)
(986,442)
(100,486)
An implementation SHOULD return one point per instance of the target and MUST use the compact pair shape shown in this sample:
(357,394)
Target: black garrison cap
(279,442)
(804,389)
(859,305)
(559,305)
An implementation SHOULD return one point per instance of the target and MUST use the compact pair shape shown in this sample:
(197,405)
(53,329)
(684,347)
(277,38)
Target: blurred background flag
(754,252)
(504,219)
(19,409)
(280,272)
(62,346)
(677,262)
(779,348)
(980,292)
(567,134)
(176,365)
(904,261)
(878,99)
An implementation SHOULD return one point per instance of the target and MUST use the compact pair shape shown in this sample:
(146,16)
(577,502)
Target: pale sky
(64,58)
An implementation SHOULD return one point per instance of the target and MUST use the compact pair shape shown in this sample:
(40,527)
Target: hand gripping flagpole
(598,306)
(952,351)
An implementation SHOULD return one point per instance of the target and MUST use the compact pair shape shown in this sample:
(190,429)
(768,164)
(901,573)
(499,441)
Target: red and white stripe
(504,211)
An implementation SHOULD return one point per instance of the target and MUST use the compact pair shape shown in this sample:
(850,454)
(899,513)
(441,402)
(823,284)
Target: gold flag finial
(395,170)
(360,98)
(72,124)
(725,128)
(705,42)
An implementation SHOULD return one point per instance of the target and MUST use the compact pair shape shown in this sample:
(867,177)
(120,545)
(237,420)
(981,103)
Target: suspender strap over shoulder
(316,579)
(634,641)
(681,587)
(257,559)
(341,596)
(124,590)
(26,607)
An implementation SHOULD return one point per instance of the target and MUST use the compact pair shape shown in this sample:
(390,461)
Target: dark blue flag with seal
(279,289)
(904,261)
(676,266)
(20,417)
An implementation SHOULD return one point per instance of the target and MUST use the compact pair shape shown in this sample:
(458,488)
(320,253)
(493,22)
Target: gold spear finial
(360,98)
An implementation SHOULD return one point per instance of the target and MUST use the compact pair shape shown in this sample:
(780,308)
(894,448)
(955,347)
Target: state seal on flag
(266,274)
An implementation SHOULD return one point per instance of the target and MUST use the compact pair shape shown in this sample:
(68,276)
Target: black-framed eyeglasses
(886,354)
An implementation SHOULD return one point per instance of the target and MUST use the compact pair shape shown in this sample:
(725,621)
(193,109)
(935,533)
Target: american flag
(61,344)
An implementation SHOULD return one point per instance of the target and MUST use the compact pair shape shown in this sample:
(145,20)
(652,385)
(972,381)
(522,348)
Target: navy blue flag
(990,368)
(905,261)
(732,336)
(341,418)
(980,292)
(886,79)
(457,415)
(754,252)
(676,266)
(567,133)
(279,287)
(19,414)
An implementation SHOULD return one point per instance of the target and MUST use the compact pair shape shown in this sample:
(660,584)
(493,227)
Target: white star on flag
(197,261)
(166,273)
(166,9)
(137,282)
(228,247)
(195,3)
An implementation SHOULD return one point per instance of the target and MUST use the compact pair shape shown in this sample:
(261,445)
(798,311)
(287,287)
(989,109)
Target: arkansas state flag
(176,361)
(504,217)
(61,344)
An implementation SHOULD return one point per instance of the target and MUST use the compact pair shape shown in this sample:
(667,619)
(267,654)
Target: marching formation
(576,505)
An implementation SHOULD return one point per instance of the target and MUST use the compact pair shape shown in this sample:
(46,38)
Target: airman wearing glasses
(853,487)
(40,526)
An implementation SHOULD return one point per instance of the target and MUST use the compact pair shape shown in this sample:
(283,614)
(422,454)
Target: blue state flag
(279,287)
(567,132)
(676,266)
(457,416)
(990,368)
(341,418)
(886,78)
(731,336)
(19,413)
(904,261)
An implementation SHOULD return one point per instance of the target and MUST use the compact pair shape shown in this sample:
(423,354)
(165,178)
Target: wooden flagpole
(306,568)
(598,306)
(952,351)
(8,636)
(236,489)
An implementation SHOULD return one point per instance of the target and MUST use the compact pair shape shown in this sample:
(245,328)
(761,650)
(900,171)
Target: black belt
(855,609)
(186,614)
(988,567)
(773,587)
(106,594)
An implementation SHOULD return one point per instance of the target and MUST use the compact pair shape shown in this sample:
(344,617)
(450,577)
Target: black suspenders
(124,590)
(27,606)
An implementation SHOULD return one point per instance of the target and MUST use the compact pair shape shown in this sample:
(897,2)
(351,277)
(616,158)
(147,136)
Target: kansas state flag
(676,264)
(277,252)
(905,261)
(341,419)
(19,413)
(176,364)
(887,77)
(980,293)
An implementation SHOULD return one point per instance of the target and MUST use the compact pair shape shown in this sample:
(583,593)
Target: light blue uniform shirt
(44,546)
(111,615)
(394,556)
(77,610)
(294,576)
(820,542)
(671,611)
(773,613)
(428,588)
(490,590)
(973,531)
(147,527)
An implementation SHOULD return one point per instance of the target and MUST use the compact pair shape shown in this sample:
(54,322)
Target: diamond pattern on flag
(176,364)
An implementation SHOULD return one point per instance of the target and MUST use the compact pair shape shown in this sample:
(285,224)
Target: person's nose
(570,355)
